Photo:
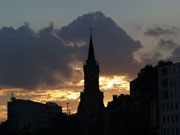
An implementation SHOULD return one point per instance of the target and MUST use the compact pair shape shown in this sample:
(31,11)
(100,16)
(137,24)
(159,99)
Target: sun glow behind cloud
(108,84)
(114,82)
(3,112)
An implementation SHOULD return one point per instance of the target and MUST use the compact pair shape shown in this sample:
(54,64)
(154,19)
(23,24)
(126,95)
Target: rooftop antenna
(12,97)
(12,94)
(69,111)
(67,108)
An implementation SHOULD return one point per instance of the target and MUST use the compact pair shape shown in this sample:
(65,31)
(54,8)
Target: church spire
(91,56)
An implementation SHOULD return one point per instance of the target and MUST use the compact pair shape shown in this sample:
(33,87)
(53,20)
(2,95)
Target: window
(164,71)
(165,95)
(171,83)
(177,131)
(175,82)
(164,83)
(172,119)
(172,107)
(171,94)
(164,132)
(164,105)
(177,119)
(176,105)
(172,131)
(164,120)
(167,119)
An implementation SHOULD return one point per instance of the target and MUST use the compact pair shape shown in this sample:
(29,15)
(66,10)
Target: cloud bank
(29,59)
(159,31)
(164,45)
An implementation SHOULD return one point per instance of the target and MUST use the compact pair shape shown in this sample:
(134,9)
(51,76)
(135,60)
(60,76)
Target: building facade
(33,115)
(169,95)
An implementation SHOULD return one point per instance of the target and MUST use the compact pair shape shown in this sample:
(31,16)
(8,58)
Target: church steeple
(91,98)
(91,55)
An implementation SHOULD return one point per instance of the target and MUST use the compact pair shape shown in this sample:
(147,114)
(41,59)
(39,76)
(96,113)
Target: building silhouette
(91,99)
(169,95)
(121,103)
(145,97)
(26,114)
(116,119)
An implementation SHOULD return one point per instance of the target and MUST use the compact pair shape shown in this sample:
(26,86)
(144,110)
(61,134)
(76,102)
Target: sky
(43,44)
(37,12)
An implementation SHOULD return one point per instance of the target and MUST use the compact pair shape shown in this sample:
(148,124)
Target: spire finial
(91,55)
(90,33)
(91,30)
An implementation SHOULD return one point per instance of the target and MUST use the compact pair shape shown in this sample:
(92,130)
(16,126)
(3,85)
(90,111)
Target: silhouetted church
(91,99)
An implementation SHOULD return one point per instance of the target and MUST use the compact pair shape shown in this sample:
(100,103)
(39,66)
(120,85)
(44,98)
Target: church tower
(91,99)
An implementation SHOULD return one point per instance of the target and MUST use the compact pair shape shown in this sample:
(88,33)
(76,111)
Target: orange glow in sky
(118,82)
(108,84)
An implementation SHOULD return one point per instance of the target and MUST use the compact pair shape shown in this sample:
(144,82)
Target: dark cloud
(163,50)
(167,44)
(176,54)
(159,31)
(113,46)
(163,46)
(29,59)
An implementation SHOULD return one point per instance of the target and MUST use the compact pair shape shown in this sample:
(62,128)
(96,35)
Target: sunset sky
(43,44)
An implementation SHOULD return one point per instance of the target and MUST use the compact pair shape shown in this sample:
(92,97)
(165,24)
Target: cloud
(108,84)
(30,59)
(159,31)
(176,54)
(51,21)
(113,46)
(162,50)
(167,44)
(3,113)
(163,45)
